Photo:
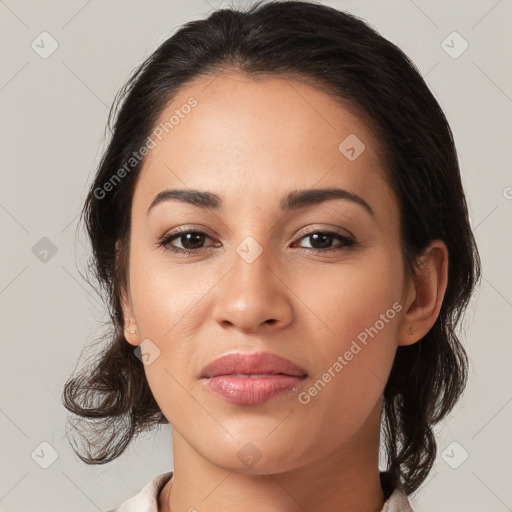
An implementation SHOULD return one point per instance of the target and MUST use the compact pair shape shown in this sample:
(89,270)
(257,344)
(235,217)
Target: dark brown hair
(341,54)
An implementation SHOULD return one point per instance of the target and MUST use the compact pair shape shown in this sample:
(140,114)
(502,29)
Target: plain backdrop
(53,110)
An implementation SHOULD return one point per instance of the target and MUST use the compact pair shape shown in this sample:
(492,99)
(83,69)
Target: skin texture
(251,142)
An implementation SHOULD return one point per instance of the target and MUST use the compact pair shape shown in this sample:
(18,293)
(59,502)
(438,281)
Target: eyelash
(165,242)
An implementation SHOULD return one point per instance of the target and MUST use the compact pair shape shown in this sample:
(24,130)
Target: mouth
(252,379)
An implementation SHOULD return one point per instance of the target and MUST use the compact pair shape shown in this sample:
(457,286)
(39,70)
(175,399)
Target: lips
(259,364)
(252,379)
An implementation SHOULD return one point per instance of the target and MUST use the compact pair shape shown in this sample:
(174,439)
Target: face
(319,282)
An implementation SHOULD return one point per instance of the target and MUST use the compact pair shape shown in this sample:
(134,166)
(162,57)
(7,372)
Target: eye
(188,239)
(192,242)
(324,240)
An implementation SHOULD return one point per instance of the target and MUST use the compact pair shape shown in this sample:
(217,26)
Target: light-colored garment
(147,499)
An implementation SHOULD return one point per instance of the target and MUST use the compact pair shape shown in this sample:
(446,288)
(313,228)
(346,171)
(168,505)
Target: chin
(255,456)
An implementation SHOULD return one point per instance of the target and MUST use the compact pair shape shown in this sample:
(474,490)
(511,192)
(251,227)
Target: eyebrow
(292,201)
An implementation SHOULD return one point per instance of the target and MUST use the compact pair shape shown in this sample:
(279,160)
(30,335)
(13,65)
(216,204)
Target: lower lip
(252,390)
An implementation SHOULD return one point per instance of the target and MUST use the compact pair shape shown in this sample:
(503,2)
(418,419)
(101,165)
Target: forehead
(246,138)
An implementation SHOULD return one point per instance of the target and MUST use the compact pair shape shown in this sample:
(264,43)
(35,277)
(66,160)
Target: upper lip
(252,363)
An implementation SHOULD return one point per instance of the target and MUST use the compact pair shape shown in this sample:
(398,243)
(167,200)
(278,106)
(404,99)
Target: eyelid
(307,230)
(187,229)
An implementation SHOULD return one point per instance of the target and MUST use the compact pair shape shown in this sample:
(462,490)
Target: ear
(425,294)
(131,333)
(130,329)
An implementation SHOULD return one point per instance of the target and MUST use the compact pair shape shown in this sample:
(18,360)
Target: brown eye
(322,241)
(191,241)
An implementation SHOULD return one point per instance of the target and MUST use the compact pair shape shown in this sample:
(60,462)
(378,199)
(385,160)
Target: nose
(253,296)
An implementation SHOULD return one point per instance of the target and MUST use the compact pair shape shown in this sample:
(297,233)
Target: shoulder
(397,500)
(146,500)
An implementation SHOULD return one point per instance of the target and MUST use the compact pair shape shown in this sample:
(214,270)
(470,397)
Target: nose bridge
(252,292)
(251,265)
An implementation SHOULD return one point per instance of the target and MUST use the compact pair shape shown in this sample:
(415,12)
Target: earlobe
(132,337)
(429,287)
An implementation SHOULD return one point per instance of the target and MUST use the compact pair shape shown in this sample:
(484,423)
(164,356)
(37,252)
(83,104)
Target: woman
(280,228)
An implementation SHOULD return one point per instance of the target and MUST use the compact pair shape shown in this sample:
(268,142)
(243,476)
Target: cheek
(351,297)
(360,311)
(169,309)
(165,297)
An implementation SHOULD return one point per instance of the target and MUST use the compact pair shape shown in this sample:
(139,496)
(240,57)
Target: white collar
(147,499)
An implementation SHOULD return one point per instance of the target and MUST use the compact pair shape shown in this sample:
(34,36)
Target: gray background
(53,113)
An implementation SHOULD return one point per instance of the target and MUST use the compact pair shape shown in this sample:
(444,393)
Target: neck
(347,479)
